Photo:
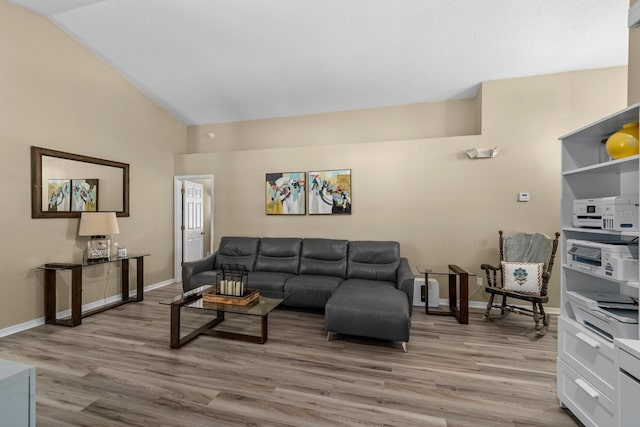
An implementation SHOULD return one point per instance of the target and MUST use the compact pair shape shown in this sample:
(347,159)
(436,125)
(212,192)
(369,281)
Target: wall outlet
(479,281)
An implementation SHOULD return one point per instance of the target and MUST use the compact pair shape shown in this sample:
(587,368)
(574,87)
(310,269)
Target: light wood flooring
(117,369)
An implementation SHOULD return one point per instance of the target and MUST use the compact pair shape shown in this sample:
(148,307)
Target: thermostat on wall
(523,197)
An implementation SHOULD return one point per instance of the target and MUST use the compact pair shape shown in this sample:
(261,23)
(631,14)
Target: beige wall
(453,118)
(55,94)
(441,206)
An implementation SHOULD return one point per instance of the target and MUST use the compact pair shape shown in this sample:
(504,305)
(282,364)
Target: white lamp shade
(98,224)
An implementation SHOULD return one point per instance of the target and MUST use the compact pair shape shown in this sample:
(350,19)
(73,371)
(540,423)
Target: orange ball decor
(624,143)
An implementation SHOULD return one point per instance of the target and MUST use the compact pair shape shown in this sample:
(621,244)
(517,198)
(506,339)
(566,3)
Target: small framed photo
(285,193)
(329,192)
(84,195)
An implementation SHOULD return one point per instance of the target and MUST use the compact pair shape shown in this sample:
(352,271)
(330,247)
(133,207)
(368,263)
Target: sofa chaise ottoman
(368,303)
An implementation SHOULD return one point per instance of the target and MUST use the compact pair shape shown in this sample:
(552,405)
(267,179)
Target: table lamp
(98,225)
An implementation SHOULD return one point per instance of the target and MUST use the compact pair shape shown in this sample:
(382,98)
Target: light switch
(523,197)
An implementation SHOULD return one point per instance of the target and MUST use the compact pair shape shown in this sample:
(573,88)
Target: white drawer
(629,387)
(592,407)
(630,363)
(591,355)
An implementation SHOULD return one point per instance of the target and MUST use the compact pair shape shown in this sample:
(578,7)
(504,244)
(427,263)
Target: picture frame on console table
(285,193)
(330,192)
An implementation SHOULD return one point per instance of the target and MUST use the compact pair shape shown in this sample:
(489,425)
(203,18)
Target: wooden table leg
(50,296)
(463,314)
(264,329)
(76,295)
(124,280)
(174,339)
(453,294)
(139,278)
(462,305)
(426,293)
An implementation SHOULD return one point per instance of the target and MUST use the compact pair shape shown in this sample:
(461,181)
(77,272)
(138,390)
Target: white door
(192,222)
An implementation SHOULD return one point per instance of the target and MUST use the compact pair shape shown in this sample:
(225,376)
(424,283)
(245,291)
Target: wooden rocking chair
(525,260)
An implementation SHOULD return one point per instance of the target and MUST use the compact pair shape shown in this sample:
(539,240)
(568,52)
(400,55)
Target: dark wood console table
(50,300)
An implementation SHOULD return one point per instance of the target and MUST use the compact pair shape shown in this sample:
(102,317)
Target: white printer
(616,260)
(616,213)
(609,315)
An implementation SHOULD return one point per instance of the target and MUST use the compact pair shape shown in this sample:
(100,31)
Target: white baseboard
(65,313)
(483,305)
(158,285)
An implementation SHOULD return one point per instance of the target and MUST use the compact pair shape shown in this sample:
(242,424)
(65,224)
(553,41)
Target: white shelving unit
(588,361)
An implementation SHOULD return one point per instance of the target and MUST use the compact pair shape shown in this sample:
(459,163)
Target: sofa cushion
(367,283)
(310,291)
(279,254)
(373,260)
(270,284)
(324,257)
(364,308)
(237,250)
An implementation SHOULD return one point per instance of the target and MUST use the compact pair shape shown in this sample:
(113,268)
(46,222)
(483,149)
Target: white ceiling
(210,61)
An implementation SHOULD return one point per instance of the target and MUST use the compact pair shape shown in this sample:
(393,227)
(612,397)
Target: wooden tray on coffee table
(250,296)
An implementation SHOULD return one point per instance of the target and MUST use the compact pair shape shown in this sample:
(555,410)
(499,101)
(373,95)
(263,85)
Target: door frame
(177,220)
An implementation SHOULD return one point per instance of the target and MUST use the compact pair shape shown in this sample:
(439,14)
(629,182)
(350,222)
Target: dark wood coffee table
(193,300)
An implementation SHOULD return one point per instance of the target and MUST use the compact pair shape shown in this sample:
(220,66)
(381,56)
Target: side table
(458,279)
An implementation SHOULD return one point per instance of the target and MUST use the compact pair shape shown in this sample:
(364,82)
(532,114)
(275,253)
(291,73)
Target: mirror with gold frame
(63,185)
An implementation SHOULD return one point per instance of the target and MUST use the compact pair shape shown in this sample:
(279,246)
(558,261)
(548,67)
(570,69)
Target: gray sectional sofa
(364,287)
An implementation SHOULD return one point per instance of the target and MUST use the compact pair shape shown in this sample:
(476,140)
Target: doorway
(190,217)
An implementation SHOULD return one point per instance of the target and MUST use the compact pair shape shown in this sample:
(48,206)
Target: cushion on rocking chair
(523,277)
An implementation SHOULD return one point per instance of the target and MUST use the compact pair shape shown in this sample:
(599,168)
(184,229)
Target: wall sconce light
(98,225)
(482,153)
